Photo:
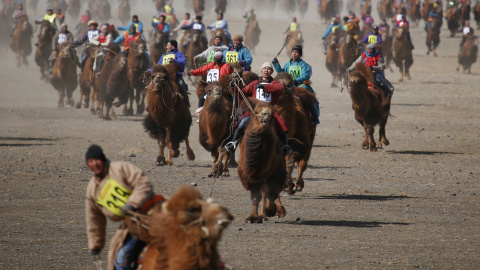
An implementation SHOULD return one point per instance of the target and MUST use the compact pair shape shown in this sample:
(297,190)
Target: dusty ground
(413,204)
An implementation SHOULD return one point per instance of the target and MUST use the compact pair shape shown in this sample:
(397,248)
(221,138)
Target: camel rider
(293,26)
(353,18)
(214,72)
(115,188)
(103,40)
(375,61)
(248,15)
(60,17)
(83,19)
(402,21)
(237,53)
(221,23)
(332,27)
(138,24)
(384,26)
(197,25)
(186,21)
(19,12)
(86,38)
(467,31)
(301,73)
(174,55)
(51,17)
(60,37)
(432,16)
(159,24)
(269,90)
(374,37)
(127,38)
(367,19)
(207,56)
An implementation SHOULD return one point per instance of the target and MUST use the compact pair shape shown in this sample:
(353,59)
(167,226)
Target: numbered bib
(62,38)
(213,75)
(167,57)
(91,35)
(231,57)
(113,197)
(197,26)
(372,39)
(263,96)
(295,71)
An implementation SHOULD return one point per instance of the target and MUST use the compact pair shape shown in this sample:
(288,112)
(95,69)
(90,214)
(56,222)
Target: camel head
(196,36)
(65,50)
(45,28)
(139,47)
(214,90)
(348,39)
(216,219)
(286,80)
(185,206)
(263,113)
(159,77)
(121,60)
(158,37)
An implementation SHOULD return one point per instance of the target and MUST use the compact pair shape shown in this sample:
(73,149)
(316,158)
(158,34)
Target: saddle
(382,96)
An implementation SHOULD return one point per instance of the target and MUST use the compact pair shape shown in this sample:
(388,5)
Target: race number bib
(261,95)
(295,71)
(372,39)
(91,35)
(197,26)
(213,75)
(62,38)
(113,196)
(231,57)
(167,57)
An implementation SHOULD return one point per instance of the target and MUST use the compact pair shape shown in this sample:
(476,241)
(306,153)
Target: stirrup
(286,150)
(230,146)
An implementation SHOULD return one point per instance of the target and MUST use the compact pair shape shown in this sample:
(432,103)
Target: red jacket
(371,61)
(213,76)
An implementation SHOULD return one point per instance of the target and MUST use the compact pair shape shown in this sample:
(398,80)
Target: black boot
(239,131)
(286,149)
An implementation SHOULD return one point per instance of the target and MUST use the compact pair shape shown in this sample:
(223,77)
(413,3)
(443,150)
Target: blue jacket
(166,28)
(219,24)
(330,29)
(244,55)
(195,26)
(125,28)
(379,38)
(179,59)
(299,77)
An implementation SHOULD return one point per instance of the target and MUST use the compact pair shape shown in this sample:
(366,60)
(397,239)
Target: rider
(186,21)
(51,17)
(353,18)
(248,15)
(174,55)
(214,71)
(432,16)
(467,31)
(301,73)
(221,23)
(293,26)
(130,189)
(402,21)
(60,16)
(375,61)
(138,24)
(373,37)
(208,55)
(332,27)
(384,26)
(103,39)
(265,89)
(60,37)
(237,53)
(19,12)
(198,26)
(86,38)
(159,24)
(367,19)
(83,19)
(127,38)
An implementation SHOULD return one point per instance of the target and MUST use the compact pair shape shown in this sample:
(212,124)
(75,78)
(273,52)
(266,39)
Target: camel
(252,37)
(262,168)
(21,43)
(57,4)
(159,4)
(465,12)
(402,52)
(137,65)
(453,20)
(366,7)
(74,8)
(87,77)
(158,45)
(44,48)
(196,46)
(296,38)
(467,55)
(433,37)
(476,14)
(124,11)
(385,9)
(294,106)
(64,74)
(215,126)
(370,105)
(303,7)
(185,231)
(328,9)
(198,6)
(386,48)
(220,6)
(331,59)
(347,53)
(425,9)
(101,9)
(219,32)
(168,120)
(414,12)
(32,7)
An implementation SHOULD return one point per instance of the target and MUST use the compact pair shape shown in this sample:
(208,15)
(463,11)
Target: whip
(286,40)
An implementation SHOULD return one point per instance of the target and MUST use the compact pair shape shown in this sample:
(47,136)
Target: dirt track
(413,204)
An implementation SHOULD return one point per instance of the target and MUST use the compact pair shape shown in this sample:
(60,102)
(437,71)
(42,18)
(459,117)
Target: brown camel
(467,55)
(262,168)
(386,48)
(414,12)
(74,8)
(137,65)
(220,6)
(465,12)
(159,4)
(101,9)
(198,6)
(168,120)
(385,9)
(402,52)
(87,77)
(252,36)
(366,7)
(328,9)
(64,74)
(433,37)
(453,20)
(296,38)
(124,11)
(21,43)
(370,105)
(44,48)
(158,45)
(294,106)
(347,53)
(476,14)
(196,46)
(185,231)
(215,126)
(218,32)
(331,59)
(302,7)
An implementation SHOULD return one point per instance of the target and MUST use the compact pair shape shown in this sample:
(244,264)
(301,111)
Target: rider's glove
(274,61)
(125,208)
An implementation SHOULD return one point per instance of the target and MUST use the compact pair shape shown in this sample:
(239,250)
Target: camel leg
(190,154)
(79,103)
(301,167)
(86,98)
(113,114)
(226,172)
(19,63)
(401,71)
(215,165)
(365,140)
(140,101)
(255,196)
(289,188)
(382,138)
(61,96)
(69,100)
(107,112)
(370,130)
(281,212)
(93,97)
(170,148)
(161,157)
(262,215)
(100,109)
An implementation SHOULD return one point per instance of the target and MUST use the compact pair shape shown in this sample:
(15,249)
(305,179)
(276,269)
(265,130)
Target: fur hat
(238,37)
(267,65)
(63,25)
(95,152)
(298,48)
(92,22)
(371,46)
(218,54)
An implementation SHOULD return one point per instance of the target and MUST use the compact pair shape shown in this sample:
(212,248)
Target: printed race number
(167,57)
(113,197)
(263,96)
(295,71)
(372,39)
(213,75)
(231,57)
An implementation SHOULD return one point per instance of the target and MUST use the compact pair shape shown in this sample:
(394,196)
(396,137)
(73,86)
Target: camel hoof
(160,161)
(86,105)
(190,155)
(298,188)
(226,174)
(169,162)
(373,149)
(175,153)
(107,117)
(281,212)
(386,142)
(78,106)
(93,111)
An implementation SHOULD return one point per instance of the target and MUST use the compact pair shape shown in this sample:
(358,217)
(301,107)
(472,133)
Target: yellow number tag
(113,196)
(295,71)
(372,39)
(167,57)
(232,57)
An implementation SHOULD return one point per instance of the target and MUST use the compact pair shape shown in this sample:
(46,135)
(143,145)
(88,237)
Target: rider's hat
(371,46)
(92,22)
(298,48)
